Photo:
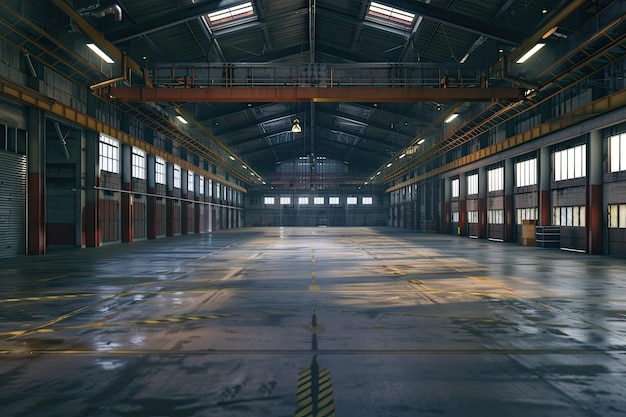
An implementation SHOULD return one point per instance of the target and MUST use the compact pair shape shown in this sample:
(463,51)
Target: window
(190,182)
(269,201)
(454,217)
(472,184)
(285,200)
(495,216)
(570,163)
(218,190)
(495,179)
(569,216)
(318,200)
(617,153)
(351,201)
(389,15)
(472,216)
(333,200)
(617,216)
(303,201)
(210,187)
(201,185)
(139,163)
(109,154)
(455,188)
(526,173)
(235,14)
(526,214)
(159,170)
(367,200)
(176,176)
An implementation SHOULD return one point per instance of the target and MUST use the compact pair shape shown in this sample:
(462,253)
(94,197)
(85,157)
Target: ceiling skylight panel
(240,11)
(390,14)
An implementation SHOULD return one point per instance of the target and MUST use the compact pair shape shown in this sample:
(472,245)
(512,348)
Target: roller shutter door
(12,205)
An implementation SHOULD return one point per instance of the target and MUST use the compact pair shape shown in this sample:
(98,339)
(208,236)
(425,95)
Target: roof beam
(168,19)
(457,20)
(314,94)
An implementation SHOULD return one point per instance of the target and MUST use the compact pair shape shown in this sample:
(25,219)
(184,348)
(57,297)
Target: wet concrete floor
(313,322)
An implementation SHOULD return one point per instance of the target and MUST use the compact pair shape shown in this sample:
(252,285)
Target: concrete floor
(313,321)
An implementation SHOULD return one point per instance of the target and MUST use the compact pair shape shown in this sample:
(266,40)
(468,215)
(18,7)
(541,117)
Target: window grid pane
(159,170)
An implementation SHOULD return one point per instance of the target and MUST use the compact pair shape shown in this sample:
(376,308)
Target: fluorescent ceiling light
(100,53)
(389,164)
(181,119)
(462,61)
(231,157)
(530,53)
(402,156)
(244,167)
(451,117)
(421,141)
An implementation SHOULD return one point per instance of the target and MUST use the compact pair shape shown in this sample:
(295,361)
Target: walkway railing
(201,75)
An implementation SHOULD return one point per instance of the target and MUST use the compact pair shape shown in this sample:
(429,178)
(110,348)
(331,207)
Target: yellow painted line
(494,283)
(307,352)
(48,297)
(305,412)
(14,333)
(53,278)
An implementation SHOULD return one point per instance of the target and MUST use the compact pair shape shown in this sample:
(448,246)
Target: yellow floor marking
(53,278)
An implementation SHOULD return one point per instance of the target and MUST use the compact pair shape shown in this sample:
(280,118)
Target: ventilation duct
(100,11)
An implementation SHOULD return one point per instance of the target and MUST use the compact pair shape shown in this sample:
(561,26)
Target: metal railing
(201,75)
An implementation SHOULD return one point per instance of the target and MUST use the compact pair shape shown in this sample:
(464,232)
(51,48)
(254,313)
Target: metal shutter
(12,205)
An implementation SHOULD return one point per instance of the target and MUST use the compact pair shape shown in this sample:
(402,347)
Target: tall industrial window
(569,216)
(495,216)
(351,201)
(333,200)
(472,184)
(269,201)
(570,163)
(318,200)
(190,183)
(367,201)
(495,179)
(177,182)
(285,200)
(454,217)
(109,154)
(159,170)
(302,201)
(201,185)
(218,190)
(210,187)
(139,163)
(526,173)
(617,153)
(472,216)
(617,216)
(526,214)
(456,188)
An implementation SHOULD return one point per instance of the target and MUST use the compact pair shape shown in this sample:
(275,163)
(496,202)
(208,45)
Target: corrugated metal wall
(12,205)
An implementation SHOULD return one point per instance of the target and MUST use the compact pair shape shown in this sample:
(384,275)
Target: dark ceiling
(364,136)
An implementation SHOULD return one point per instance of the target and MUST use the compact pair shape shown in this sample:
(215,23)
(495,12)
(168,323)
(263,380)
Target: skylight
(242,11)
(390,14)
